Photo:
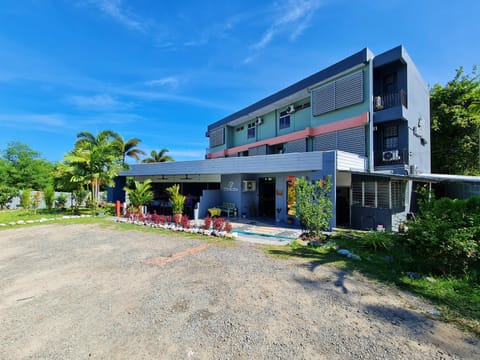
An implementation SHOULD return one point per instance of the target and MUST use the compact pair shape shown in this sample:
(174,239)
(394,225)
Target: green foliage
(6,194)
(25,198)
(447,234)
(94,162)
(128,148)
(21,168)
(159,156)
(314,205)
(79,196)
(177,199)
(109,209)
(378,240)
(140,194)
(61,201)
(455,129)
(49,196)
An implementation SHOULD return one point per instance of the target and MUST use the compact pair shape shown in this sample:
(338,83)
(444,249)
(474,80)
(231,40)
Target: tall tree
(24,168)
(158,156)
(129,148)
(455,126)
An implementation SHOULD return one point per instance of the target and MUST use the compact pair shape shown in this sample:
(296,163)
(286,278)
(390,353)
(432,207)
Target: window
(383,194)
(390,137)
(379,194)
(357,193)
(369,194)
(251,130)
(390,83)
(284,121)
(398,194)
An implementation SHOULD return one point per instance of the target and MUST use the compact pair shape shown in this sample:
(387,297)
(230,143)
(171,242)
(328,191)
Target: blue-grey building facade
(364,121)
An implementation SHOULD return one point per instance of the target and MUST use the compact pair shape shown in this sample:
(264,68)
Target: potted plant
(177,200)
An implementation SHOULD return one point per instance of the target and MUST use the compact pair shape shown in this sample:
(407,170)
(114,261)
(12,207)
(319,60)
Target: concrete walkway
(259,232)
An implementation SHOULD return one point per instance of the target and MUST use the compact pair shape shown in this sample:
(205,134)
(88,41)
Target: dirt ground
(91,291)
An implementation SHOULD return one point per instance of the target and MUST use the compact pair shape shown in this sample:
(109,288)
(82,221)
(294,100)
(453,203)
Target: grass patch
(456,298)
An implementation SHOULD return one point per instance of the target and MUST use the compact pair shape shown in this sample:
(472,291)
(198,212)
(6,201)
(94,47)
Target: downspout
(370,114)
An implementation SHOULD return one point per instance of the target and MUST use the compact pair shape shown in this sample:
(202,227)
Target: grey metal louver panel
(325,142)
(217,137)
(349,90)
(323,99)
(352,140)
(338,94)
(259,150)
(296,146)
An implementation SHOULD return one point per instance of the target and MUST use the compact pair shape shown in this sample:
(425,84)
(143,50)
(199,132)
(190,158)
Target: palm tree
(158,157)
(129,148)
(141,194)
(95,160)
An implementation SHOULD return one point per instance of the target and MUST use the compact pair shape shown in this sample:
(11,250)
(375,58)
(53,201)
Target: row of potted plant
(216,226)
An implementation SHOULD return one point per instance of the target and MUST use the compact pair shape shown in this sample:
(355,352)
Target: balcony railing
(389,100)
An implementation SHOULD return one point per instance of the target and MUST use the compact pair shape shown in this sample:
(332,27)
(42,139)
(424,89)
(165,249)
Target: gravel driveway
(90,291)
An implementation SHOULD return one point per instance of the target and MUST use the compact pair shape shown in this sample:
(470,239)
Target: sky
(162,71)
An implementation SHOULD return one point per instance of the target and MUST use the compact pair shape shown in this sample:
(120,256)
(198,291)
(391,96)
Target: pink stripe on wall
(359,120)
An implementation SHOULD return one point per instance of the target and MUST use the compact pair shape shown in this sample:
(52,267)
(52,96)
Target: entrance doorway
(266,194)
(343,206)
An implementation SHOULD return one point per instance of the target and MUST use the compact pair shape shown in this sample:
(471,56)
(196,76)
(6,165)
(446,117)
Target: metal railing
(389,100)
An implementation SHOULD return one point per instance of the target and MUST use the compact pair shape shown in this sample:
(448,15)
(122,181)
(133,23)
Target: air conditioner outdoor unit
(291,109)
(390,155)
(378,103)
(249,185)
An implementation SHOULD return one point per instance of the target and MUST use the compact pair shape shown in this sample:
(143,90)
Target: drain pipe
(370,115)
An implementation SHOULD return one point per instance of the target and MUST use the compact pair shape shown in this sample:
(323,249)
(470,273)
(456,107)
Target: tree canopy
(455,129)
(21,168)
(159,156)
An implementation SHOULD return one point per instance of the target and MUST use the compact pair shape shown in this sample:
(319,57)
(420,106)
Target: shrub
(314,206)
(228,226)
(185,222)
(109,209)
(36,200)
(49,196)
(207,222)
(155,218)
(218,224)
(25,198)
(378,240)
(446,234)
(61,201)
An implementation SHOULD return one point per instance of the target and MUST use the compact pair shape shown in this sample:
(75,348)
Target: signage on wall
(230,187)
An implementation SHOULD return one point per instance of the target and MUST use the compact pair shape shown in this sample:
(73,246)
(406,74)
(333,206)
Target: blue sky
(163,70)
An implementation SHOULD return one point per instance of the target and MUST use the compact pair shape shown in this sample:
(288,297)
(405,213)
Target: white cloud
(169,80)
(97,102)
(291,17)
(50,120)
(120,13)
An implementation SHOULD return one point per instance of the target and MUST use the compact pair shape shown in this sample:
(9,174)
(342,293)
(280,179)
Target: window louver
(338,94)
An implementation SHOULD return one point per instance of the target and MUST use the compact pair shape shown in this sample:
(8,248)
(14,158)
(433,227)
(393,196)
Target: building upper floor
(373,106)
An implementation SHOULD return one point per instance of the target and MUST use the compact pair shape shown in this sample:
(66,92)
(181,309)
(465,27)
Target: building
(364,121)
